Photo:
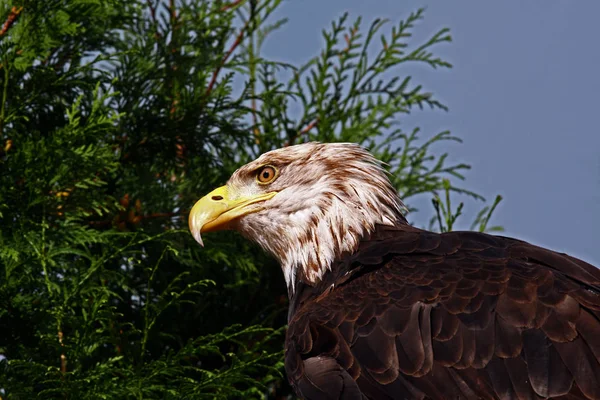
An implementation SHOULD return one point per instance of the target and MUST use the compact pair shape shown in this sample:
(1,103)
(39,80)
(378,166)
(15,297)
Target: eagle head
(305,204)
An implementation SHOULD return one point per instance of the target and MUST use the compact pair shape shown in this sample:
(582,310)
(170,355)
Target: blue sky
(523,95)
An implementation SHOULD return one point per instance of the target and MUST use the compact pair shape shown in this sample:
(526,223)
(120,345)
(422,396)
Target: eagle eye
(266,174)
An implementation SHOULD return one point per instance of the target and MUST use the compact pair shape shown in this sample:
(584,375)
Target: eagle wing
(459,315)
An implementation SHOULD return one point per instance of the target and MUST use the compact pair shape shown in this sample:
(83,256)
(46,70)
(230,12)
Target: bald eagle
(382,310)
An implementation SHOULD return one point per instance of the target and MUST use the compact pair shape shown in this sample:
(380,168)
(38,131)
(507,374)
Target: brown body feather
(459,315)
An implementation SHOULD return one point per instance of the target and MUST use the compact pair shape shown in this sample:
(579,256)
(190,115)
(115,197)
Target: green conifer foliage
(115,116)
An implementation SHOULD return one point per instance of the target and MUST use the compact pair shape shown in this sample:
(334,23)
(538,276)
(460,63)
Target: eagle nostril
(217,198)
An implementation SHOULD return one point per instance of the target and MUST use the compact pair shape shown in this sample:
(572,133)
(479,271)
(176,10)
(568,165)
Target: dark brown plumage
(459,315)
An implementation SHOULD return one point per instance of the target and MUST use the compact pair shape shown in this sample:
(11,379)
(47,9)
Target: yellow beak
(216,210)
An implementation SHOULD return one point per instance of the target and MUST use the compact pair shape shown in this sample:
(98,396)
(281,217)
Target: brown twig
(173,47)
(255,122)
(172,10)
(134,219)
(11,19)
(63,357)
(152,8)
(231,5)
(302,132)
(235,44)
(251,57)
(164,215)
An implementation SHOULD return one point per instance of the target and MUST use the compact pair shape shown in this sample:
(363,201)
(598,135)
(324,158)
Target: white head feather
(329,197)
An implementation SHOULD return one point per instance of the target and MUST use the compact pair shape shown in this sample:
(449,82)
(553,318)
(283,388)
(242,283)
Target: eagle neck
(318,258)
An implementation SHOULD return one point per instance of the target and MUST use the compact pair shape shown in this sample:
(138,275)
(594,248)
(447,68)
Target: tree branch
(302,132)
(63,357)
(231,5)
(11,19)
(152,8)
(235,44)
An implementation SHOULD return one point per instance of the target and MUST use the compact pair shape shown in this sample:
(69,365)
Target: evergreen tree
(115,117)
